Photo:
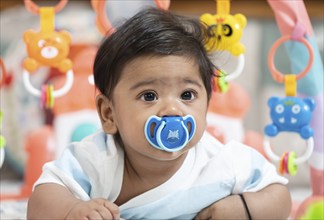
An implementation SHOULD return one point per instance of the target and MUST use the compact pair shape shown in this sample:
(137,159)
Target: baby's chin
(162,155)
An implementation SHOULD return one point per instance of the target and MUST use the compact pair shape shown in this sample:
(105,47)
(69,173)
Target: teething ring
(278,76)
(298,160)
(238,70)
(34,8)
(58,93)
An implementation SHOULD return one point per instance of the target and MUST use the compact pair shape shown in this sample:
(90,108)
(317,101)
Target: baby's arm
(53,201)
(272,202)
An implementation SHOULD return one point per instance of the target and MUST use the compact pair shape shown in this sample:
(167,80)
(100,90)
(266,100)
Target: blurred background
(24,121)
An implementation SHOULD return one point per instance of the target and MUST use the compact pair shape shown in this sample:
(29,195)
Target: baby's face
(161,86)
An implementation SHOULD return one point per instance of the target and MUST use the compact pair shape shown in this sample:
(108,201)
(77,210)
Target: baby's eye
(149,96)
(187,95)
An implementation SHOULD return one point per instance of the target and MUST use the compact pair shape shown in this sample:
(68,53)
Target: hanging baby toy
(225,31)
(290,113)
(47,47)
(2,142)
(2,138)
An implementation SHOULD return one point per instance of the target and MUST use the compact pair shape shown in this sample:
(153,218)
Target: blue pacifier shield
(169,133)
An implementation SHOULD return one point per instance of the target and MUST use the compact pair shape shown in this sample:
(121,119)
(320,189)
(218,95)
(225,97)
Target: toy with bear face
(47,49)
(290,114)
(225,32)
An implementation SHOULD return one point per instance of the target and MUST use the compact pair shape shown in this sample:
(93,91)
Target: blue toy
(169,133)
(291,114)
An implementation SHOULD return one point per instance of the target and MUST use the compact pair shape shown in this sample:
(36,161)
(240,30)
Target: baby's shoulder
(212,147)
(94,146)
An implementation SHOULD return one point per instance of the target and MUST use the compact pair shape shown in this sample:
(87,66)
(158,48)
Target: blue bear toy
(290,114)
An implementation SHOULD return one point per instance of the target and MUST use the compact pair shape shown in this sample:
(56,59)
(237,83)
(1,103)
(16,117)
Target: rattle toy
(224,32)
(169,133)
(219,82)
(47,47)
(2,138)
(290,113)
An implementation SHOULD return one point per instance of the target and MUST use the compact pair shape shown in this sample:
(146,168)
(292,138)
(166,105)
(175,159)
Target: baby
(153,159)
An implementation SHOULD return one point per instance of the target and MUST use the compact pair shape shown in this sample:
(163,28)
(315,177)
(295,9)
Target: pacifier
(169,133)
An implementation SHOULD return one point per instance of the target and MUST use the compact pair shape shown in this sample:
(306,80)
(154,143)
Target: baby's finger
(94,215)
(105,212)
(113,208)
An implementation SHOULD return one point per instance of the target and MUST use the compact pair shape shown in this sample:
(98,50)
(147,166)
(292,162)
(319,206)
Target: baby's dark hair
(151,32)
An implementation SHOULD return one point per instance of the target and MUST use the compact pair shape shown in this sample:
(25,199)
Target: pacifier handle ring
(193,126)
(278,76)
(147,130)
(58,93)
(34,8)
(299,160)
(239,69)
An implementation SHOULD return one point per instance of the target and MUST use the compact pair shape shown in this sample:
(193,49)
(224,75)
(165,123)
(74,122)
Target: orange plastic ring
(278,76)
(34,9)
(103,24)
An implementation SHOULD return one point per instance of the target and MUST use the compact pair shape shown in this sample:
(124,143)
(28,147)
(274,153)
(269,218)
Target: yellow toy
(47,49)
(50,48)
(225,31)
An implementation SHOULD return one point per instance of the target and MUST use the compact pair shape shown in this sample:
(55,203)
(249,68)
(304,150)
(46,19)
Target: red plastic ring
(3,74)
(278,76)
(34,8)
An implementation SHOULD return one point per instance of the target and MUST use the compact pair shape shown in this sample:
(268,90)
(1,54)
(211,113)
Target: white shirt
(211,171)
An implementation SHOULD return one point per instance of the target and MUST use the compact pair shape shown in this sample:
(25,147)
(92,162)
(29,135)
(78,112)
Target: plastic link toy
(225,32)
(290,113)
(49,48)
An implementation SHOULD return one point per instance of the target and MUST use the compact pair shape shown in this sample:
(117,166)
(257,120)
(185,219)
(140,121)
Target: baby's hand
(94,209)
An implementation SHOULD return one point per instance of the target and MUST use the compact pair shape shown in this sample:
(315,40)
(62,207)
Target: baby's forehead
(167,64)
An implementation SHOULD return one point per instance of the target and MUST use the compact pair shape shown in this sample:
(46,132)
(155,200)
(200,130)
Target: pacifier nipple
(169,133)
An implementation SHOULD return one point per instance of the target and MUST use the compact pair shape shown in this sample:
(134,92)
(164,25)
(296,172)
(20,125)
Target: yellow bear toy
(225,32)
(47,49)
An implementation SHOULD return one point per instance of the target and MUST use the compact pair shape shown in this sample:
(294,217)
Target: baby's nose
(171,107)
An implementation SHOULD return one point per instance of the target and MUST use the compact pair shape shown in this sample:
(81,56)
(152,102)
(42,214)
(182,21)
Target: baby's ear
(105,112)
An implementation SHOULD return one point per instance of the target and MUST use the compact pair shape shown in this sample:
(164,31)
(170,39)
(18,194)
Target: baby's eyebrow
(143,83)
(155,81)
(190,81)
